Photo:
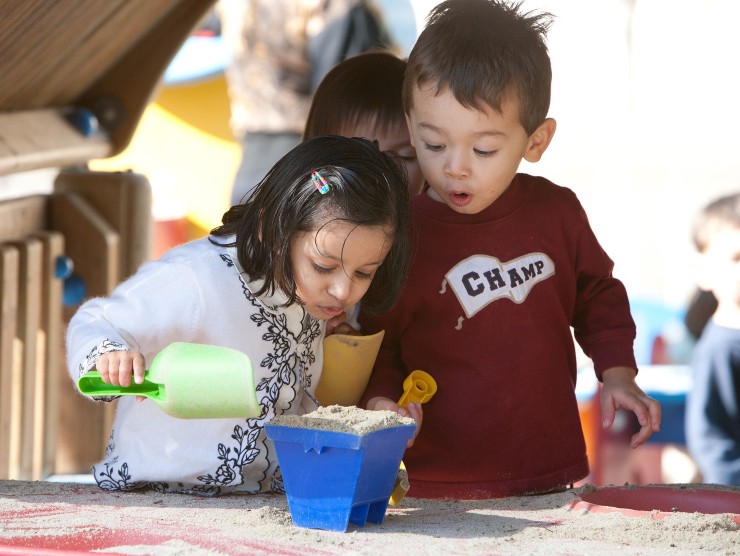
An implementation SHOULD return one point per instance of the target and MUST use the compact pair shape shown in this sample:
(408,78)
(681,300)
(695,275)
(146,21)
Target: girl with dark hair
(326,227)
(361,97)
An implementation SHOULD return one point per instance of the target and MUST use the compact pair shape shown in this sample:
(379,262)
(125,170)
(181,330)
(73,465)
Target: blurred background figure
(361,97)
(713,403)
(700,309)
(281,49)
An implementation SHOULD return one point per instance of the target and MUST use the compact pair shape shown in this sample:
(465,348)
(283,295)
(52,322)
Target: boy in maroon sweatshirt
(505,265)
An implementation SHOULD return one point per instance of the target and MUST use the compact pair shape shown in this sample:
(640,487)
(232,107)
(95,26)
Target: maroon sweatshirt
(487,310)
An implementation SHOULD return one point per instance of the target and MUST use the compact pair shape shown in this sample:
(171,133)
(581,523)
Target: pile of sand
(349,419)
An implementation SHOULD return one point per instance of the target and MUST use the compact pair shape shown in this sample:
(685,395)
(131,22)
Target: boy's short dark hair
(365,186)
(719,215)
(484,51)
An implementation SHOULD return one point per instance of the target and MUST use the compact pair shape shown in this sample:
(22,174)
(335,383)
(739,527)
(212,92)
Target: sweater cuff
(613,353)
(91,360)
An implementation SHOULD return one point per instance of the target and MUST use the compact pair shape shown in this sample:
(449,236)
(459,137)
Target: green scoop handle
(91,384)
(190,381)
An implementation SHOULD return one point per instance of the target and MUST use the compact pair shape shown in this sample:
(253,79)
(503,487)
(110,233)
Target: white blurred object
(677,466)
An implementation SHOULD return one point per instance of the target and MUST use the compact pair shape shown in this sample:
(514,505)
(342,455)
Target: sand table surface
(70,517)
(67,518)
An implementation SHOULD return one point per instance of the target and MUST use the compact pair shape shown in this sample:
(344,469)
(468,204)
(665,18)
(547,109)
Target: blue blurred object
(669,384)
(84,121)
(201,57)
(657,322)
(400,20)
(662,349)
(74,290)
(63,267)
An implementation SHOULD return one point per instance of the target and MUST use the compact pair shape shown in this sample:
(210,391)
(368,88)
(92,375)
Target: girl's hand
(620,391)
(117,367)
(412,410)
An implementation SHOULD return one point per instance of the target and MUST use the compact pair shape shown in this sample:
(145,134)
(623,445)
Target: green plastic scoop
(191,381)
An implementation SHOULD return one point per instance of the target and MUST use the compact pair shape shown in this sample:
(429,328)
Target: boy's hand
(620,391)
(412,410)
(116,367)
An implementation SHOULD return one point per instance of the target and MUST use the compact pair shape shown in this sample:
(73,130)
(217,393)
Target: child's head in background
(361,97)
(476,94)
(327,226)
(716,235)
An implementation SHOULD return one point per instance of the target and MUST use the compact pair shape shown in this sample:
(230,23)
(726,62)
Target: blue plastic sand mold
(333,479)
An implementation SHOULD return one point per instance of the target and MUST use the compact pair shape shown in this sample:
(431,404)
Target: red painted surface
(35,540)
(660,501)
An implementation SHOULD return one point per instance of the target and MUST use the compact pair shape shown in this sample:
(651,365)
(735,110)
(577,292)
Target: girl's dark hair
(364,89)
(366,187)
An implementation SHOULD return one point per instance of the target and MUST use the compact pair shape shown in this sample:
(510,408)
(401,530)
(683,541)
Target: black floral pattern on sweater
(291,355)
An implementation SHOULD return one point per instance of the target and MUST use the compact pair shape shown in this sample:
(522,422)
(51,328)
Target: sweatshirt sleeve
(160,304)
(602,322)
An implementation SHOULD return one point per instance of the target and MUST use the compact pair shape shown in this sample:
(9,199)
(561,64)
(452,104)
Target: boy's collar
(503,206)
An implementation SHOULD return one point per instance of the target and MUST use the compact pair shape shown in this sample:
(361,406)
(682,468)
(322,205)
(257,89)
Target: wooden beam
(43,139)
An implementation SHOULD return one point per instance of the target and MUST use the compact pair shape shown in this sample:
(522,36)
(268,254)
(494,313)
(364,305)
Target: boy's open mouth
(460,199)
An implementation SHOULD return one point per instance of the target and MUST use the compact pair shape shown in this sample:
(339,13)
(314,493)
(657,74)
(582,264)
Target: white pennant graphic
(481,279)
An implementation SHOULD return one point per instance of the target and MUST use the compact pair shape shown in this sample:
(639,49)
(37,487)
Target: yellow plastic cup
(348,362)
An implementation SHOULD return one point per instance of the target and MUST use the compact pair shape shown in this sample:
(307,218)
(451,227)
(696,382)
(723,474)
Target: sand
(349,419)
(51,517)
(78,517)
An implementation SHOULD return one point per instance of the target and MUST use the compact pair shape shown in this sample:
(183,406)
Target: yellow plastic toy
(418,387)
(348,362)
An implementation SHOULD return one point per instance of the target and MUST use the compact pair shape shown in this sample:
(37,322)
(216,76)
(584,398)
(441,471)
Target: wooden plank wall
(102,222)
(10,376)
(47,408)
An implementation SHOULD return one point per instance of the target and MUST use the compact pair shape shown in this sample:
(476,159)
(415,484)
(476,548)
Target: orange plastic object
(418,387)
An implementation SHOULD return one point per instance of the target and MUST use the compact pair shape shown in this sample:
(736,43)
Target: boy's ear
(539,140)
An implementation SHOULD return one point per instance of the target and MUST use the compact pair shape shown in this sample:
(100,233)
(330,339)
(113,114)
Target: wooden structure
(75,78)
